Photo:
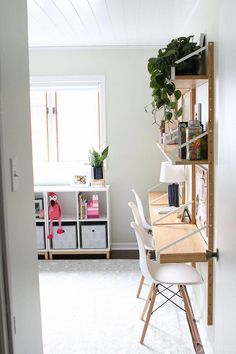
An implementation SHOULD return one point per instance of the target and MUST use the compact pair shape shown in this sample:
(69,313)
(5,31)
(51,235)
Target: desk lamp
(173,175)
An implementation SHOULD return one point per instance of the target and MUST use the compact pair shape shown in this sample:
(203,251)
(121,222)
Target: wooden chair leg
(154,294)
(147,302)
(140,286)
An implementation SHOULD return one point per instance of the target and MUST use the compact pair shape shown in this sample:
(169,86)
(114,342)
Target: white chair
(148,240)
(169,273)
(145,224)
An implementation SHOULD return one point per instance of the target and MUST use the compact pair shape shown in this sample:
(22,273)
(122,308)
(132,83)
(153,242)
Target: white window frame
(57,82)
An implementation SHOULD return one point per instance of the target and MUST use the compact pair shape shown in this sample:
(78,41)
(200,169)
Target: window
(67,119)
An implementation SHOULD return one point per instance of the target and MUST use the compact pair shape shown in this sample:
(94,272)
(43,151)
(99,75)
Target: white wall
(15,141)
(225,282)
(218,21)
(134,159)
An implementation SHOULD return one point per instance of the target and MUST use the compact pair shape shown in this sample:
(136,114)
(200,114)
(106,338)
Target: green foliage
(96,159)
(164,93)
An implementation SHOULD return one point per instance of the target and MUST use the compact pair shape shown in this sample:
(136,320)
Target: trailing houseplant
(96,161)
(164,93)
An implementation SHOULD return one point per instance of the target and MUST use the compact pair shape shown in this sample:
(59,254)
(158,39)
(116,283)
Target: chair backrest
(147,238)
(140,208)
(146,264)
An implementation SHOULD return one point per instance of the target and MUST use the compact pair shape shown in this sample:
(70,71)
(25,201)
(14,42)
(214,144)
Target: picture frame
(38,205)
(81,180)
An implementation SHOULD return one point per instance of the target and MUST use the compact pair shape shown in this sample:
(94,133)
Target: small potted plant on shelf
(164,93)
(96,161)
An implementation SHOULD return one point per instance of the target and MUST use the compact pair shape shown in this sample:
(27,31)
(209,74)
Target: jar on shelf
(193,149)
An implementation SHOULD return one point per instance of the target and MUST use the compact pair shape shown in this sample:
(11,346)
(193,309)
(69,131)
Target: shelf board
(188,82)
(69,188)
(67,218)
(168,154)
(101,218)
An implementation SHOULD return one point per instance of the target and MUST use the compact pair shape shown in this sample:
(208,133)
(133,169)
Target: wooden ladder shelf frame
(210,194)
(190,83)
(210,174)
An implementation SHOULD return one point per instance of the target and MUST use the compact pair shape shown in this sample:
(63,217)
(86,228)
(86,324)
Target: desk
(192,249)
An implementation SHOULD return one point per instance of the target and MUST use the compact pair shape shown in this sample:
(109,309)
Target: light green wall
(134,159)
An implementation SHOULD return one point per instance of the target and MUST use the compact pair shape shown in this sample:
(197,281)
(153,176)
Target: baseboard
(124,246)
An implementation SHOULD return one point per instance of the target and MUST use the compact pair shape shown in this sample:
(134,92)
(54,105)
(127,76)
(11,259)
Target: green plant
(164,93)
(96,159)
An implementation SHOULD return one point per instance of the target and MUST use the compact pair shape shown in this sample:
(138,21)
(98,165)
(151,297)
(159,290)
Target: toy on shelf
(93,207)
(54,213)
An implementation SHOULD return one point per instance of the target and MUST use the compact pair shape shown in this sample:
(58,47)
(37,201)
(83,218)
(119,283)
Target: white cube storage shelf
(79,236)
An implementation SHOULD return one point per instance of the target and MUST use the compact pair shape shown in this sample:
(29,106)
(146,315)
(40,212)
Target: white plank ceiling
(106,22)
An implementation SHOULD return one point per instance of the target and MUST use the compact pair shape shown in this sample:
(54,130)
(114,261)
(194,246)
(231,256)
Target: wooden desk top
(192,249)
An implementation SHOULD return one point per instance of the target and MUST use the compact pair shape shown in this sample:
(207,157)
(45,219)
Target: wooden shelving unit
(190,83)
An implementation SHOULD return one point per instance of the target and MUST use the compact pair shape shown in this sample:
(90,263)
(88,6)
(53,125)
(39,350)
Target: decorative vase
(97,172)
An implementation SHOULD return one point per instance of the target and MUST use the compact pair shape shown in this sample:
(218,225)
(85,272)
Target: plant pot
(190,66)
(97,172)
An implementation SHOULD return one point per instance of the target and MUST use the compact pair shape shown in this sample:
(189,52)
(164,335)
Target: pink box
(93,207)
(92,213)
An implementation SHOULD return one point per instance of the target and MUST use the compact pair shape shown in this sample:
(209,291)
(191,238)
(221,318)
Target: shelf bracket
(212,254)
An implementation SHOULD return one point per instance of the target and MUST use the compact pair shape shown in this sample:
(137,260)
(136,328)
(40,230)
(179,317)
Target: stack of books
(82,207)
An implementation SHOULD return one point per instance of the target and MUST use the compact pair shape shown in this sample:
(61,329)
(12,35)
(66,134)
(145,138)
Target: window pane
(39,126)
(78,123)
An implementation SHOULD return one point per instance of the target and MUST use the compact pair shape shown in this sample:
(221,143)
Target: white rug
(89,307)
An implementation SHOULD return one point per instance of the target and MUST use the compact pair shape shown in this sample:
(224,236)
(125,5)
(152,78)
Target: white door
(17,203)
(5,320)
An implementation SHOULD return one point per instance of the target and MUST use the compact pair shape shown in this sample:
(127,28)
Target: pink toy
(93,207)
(54,213)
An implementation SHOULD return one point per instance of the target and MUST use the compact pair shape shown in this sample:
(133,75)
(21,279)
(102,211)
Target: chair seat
(174,273)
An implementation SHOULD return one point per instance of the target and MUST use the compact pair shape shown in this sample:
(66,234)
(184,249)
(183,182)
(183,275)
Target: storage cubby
(81,236)
(67,201)
(102,204)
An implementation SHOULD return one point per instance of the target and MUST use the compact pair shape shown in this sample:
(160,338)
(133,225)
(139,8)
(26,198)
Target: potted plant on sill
(164,93)
(96,161)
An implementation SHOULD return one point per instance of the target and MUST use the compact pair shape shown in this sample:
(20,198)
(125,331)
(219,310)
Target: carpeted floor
(89,307)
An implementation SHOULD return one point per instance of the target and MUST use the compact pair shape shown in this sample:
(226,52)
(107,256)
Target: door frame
(6,338)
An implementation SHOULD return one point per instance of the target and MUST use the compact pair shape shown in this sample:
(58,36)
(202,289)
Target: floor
(89,307)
